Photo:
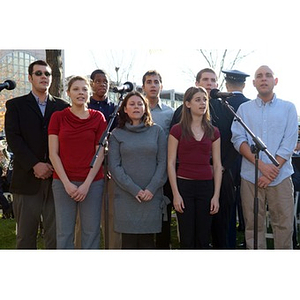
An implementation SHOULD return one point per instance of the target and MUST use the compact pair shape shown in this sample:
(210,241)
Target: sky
(178,67)
(87,29)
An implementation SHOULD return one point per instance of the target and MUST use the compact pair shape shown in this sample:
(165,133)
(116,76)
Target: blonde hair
(75,78)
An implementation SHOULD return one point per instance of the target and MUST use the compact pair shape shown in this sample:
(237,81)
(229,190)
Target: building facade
(14,66)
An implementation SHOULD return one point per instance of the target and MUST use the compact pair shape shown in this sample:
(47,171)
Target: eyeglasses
(40,73)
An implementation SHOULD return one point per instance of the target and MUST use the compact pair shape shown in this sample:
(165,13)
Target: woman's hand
(81,192)
(71,189)
(145,195)
(178,204)
(214,205)
(78,194)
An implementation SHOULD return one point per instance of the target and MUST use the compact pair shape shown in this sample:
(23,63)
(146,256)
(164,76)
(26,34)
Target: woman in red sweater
(74,135)
(195,184)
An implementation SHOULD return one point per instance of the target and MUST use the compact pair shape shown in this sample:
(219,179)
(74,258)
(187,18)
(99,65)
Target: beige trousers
(280,202)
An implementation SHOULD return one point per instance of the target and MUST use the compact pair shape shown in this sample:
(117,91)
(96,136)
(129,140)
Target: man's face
(152,86)
(100,85)
(208,80)
(40,79)
(264,81)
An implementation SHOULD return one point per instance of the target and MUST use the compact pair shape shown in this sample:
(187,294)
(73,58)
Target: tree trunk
(54,59)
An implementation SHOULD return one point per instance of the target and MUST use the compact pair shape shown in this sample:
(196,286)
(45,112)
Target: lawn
(8,236)
(7,233)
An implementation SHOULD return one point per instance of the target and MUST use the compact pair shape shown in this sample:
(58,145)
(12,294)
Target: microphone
(215,93)
(8,84)
(125,88)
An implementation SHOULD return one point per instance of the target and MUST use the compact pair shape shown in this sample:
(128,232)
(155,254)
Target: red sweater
(194,156)
(77,141)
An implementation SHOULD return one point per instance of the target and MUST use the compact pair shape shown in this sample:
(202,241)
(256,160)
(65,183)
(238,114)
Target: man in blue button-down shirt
(275,121)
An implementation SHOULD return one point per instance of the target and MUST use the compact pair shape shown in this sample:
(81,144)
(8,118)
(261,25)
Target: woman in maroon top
(74,135)
(195,184)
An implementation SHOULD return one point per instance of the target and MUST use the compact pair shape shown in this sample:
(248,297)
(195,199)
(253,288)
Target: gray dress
(137,160)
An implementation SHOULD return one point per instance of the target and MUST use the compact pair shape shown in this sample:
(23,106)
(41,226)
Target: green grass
(7,233)
(8,236)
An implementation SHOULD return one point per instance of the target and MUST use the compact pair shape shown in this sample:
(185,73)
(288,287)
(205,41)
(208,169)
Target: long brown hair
(123,117)
(186,116)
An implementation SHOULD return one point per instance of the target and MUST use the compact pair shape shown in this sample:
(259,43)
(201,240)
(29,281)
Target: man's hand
(42,170)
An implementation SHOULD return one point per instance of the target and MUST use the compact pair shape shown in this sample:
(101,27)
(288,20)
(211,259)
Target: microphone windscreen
(214,93)
(11,84)
(130,86)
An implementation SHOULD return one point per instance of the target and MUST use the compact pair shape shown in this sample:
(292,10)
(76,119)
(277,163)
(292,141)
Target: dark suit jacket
(236,100)
(27,136)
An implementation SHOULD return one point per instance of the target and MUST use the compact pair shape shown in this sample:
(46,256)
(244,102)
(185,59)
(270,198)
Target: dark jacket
(27,136)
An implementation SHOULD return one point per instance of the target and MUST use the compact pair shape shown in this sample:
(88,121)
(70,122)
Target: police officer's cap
(235,75)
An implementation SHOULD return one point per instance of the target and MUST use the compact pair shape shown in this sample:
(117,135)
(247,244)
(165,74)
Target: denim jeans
(90,216)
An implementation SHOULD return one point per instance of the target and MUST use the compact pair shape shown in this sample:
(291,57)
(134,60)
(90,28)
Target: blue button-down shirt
(276,124)
(41,104)
(162,115)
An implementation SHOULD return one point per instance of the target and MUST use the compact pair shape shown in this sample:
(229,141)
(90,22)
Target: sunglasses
(40,73)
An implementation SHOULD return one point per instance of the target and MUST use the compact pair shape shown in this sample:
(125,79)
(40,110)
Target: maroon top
(77,141)
(194,156)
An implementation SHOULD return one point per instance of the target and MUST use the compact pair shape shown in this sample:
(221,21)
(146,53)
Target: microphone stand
(103,142)
(255,149)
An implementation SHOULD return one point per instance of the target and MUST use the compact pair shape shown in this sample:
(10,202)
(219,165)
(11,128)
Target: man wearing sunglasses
(26,125)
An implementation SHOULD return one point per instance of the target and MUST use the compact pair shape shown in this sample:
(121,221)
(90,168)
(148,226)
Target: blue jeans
(90,216)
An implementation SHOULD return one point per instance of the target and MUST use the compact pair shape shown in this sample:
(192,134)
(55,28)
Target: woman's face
(79,92)
(198,104)
(135,109)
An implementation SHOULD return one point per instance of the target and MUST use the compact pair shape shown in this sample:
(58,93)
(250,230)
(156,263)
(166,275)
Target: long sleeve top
(137,160)
(276,124)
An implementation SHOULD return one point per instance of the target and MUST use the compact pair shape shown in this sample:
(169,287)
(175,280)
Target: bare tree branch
(206,58)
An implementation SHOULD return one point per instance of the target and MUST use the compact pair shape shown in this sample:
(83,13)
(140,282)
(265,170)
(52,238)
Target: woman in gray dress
(137,162)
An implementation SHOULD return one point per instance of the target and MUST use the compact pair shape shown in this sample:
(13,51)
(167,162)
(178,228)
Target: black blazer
(26,132)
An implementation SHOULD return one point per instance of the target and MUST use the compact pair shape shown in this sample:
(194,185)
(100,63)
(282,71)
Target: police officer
(235,83)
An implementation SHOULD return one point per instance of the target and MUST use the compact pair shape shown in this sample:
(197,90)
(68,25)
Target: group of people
(157,159)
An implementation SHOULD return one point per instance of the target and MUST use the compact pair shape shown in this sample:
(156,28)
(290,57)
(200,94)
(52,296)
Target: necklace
(198,132)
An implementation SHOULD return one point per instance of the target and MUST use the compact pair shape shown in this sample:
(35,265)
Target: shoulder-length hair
(123,117)
(186,116)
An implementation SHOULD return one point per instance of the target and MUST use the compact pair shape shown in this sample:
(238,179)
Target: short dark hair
(98,71)
(200,73)
(37,62)
(151,73)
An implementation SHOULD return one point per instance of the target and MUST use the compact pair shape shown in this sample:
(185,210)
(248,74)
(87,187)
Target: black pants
(137,241)
(220,221)
(195,222)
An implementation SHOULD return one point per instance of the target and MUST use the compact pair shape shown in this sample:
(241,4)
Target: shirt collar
(159,104)
(261,103)
(92,100)
(38,99)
